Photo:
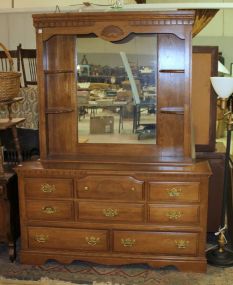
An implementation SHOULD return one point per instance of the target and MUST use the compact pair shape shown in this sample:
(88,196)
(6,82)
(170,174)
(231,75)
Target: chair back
(28,64)
(4,62)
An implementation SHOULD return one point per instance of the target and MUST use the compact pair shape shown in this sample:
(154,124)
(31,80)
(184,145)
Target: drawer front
(68,239)
(110,187)
(111,212)
(48,188)
(156,242)
(49,210)
(177,214)
(174,191)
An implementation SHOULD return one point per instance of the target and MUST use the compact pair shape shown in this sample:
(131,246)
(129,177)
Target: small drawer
(110,187)
(48,188)
(49,210)
(117,212)
(155,242)
(174,191)
(177,214)
(68,239)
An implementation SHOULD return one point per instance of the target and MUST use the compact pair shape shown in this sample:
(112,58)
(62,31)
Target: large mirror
(116,90)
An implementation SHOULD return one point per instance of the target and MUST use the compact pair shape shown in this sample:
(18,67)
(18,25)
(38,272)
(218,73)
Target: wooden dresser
(121,202)
(115,217)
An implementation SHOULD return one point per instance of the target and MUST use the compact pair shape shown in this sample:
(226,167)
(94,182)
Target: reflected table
(94,105)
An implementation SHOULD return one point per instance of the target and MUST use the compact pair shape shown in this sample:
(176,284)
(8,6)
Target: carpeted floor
(88,273)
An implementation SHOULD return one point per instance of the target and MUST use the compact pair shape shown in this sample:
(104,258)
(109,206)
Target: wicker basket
(9,80)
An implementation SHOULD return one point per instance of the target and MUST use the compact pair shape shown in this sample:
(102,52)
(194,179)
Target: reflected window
(116,90)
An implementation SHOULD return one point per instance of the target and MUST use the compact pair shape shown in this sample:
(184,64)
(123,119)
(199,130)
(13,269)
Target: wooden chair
(28,65)
(4,62)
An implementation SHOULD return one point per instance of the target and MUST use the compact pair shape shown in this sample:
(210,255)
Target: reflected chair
(28,64)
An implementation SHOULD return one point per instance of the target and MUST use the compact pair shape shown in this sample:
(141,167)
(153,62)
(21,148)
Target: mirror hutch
(115,201)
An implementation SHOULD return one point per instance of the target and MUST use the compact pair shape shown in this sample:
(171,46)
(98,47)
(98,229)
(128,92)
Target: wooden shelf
(172,110)
(171,70)
(58,71)
(11,101)
(6,123)
(59,110)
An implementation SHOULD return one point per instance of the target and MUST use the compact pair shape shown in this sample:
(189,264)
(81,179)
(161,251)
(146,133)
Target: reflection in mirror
(116,90)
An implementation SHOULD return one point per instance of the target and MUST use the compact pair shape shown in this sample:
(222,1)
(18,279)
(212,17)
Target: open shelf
(59,110)
(171,70)
(172,110)
(58,71)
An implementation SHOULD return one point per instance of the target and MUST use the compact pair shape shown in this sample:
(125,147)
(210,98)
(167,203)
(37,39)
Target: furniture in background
(28,65)
(10,123)
(4,62)
(204,101)
(216,160)
(9,212)
(27,129)
(101,202)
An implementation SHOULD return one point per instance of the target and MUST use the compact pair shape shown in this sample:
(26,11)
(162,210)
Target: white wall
(18,28)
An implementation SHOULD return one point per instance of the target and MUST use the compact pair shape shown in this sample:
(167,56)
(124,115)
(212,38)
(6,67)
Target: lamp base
(219,258)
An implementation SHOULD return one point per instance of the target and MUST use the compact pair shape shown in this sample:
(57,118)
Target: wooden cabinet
(121,202)
(9,212)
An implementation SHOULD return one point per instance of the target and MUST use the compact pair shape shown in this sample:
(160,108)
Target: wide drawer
(110,187)
(49,210)
(174,191)
(168,243)
(121,212)
(48,188)
(177,214)
(68,239)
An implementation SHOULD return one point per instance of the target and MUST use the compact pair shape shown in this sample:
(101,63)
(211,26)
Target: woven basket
(9,80)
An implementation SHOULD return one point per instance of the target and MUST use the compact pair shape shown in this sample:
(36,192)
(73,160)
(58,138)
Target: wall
(17,28)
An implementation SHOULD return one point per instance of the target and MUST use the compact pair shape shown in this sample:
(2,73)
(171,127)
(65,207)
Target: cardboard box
(102,125)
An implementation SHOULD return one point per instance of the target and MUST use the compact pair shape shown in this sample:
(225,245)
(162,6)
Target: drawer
(48,188)
(49,210)
(111,212)
(168,243)
(68,239)
(177,214)
(174,191)
(110,187)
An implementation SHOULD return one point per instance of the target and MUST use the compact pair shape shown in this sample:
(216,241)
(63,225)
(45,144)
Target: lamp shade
(223,86)
(222,69)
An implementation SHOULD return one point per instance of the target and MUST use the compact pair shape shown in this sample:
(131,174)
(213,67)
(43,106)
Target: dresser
(115,217)
(115,197)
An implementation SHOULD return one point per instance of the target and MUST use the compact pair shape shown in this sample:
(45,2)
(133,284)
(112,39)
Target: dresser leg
(12,251)
(17,145)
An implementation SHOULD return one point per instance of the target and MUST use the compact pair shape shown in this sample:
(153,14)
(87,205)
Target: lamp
(222,256)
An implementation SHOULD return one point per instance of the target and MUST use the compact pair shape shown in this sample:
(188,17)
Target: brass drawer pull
(92,240)
(47,188)
(110,212)
(128,242)
(181,244)
(174,192)
(132,189)
(41,238)
(174,215)
(49,210)
(86,188)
